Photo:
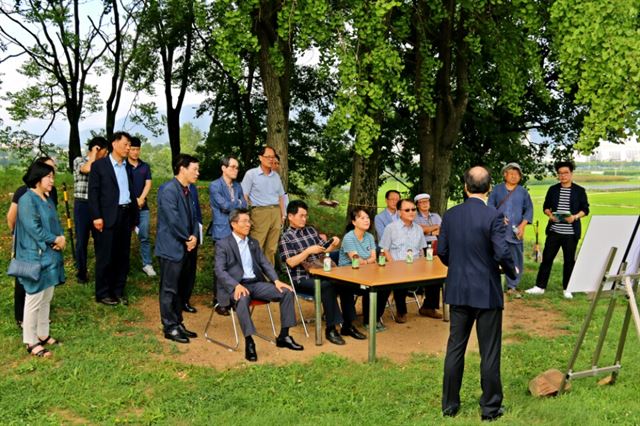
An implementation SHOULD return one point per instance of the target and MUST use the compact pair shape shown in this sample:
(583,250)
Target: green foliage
(598,45)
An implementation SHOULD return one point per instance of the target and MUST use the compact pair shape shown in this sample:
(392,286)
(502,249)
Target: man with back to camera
(512,200)
(472,244)
(176,237)
(141,174)
(114,213)
(263,190)
(300,244)
(97,149)
(565,204)
(242,270)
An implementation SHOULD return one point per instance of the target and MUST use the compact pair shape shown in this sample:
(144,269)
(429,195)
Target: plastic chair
(252,305)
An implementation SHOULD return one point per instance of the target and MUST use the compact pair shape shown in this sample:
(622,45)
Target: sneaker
(379,327)
(148,269)
(535,290)
(567,294)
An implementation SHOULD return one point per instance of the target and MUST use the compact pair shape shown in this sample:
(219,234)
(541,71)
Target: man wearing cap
(430,224)
(141,178)
(512,200)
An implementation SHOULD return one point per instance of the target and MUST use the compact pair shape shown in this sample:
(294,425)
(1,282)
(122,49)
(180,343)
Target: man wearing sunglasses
(398,238)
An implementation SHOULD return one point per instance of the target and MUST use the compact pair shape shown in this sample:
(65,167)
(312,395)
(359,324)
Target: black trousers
(329,294)
(113,246)
(18,301)
(188,279)
(489,332)
(552,245)
(172,276)
(84,228)
(431,299)
(382,304)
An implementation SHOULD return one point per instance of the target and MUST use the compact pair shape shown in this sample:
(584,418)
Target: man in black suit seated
(114,213)
(472,244)
(241,267)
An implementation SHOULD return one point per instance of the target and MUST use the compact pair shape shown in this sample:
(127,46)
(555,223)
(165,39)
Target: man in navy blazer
(241,267)
(177,237)
(114,213)
(472,244)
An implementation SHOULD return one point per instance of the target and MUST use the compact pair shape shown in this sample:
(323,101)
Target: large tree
(59,58)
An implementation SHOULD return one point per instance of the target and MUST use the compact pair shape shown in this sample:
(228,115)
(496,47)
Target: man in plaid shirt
(300,244)
(97,147)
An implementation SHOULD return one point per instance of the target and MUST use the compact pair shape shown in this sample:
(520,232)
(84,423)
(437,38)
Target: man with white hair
(430,224)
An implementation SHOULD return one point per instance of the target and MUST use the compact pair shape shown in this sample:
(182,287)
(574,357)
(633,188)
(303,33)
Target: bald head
(477,180)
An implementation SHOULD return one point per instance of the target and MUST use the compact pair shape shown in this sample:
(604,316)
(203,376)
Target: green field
(111,369)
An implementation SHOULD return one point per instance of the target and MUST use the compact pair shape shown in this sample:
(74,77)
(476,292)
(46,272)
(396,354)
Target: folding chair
(252,305)
(305,296)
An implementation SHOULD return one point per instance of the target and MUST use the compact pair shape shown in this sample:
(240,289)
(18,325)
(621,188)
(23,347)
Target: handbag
(23,268)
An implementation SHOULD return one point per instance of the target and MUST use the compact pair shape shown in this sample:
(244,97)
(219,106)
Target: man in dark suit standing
(176,238)
(472,244)
(241,267)
(114,214)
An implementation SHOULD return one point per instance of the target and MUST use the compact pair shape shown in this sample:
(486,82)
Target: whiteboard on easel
(604,232)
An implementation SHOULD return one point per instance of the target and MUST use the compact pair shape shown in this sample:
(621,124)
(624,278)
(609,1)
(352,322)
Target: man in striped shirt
(565,204)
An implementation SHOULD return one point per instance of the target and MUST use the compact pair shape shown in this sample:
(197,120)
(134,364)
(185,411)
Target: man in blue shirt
(512,200)
(263,190)
(141,175)
(389,214)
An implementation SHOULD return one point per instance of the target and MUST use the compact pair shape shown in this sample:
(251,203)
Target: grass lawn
(110,369)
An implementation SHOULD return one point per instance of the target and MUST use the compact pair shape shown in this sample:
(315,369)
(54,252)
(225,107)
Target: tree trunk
(173,128)
(74,137)
(276,86)
(364,184)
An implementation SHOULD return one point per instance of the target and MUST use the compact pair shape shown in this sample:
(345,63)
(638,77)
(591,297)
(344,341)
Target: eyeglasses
(232,167)
(269,157)
(409,210)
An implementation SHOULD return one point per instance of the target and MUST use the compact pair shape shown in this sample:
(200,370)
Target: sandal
(42,353)
(48,341)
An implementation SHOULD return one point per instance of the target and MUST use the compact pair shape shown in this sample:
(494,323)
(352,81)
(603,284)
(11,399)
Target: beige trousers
(36,316)
(265,227)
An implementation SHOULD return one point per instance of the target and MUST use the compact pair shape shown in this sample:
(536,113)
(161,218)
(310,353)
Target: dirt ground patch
(397,343)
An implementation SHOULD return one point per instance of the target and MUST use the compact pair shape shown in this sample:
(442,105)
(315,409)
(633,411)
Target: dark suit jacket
(577,202)
(104,193)
(177,221)
(472,244)
(229,269)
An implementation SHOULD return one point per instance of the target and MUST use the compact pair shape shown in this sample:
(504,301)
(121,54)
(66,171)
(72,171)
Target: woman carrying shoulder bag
(39,241)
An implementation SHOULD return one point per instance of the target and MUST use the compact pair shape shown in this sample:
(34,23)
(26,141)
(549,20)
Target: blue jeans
(143,237)
(517,251)
(84,228)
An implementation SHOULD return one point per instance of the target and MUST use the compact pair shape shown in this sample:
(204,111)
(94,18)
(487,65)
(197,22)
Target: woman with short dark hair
(39,239)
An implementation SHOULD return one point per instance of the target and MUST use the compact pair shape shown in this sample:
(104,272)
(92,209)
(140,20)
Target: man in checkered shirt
(97,148)
(301,243)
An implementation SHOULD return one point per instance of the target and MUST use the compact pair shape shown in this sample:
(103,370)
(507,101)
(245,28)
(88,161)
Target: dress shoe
(333,336)
(450,412)
(494,416)
(289,343)
(82,278)
(431,313)
(250,352)
(222,310)
(188,308)
(108,301)
(186,332)
(176,335)
(379,327)
(401,318)
(353,332)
